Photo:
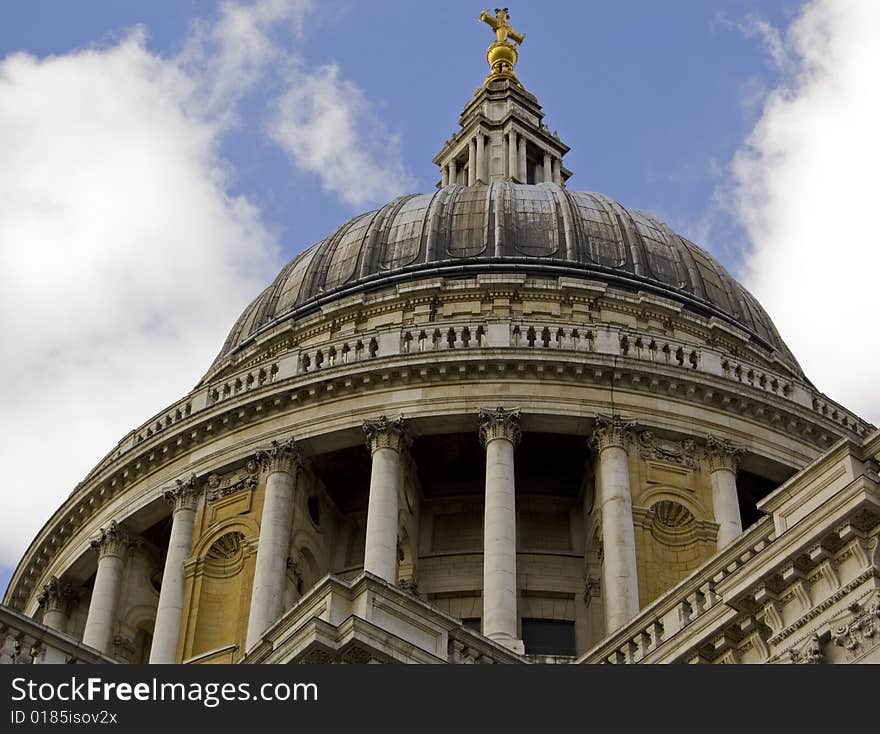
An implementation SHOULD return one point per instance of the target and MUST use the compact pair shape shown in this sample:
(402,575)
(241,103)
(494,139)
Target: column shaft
(472,162)
(722,457)
(726,504)
(620,589)
(512,156)
(548,168)
(500,433)
(557,171)
(105,598)
(522,165)
(481,159)
(169,613)
(276,523)
(499,543)
(444,175)
(453,172)
(380,551)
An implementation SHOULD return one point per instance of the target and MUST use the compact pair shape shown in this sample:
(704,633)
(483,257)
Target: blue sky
(652,97)
(163,159)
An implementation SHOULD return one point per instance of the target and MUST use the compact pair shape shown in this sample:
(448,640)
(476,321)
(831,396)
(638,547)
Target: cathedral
(499,422)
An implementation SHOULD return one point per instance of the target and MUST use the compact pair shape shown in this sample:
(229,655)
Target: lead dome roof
(507,227)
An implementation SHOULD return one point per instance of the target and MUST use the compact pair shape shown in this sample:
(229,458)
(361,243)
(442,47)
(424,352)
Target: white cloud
(124,256)
(805,191)
(326,126)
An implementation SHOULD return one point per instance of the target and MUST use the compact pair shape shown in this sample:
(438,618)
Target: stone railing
(24,641)
(683,605)
(369,620)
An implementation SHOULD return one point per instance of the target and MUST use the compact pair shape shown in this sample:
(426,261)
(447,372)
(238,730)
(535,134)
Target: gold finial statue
(502,54)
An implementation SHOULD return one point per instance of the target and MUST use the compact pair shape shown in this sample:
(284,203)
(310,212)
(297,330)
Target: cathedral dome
(502,227)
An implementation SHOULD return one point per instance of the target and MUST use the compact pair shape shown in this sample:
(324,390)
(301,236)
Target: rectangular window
(548,637)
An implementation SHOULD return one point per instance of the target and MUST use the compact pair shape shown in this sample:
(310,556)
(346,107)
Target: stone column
(55,600)
(512,156)
(444,175)
(521,164)
(481,159)
(548,167)
(386,439)
(280,462)
(169,614)
(620,589)
(500,433)
(472,162)
(112,546)
(722,458)
(453,171)
(557,171)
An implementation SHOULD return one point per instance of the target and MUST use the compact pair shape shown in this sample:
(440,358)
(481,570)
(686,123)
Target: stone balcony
(25,641)
(367,620)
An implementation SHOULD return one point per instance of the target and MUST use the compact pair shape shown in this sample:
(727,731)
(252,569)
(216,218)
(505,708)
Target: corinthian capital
(55,596)
(281,456)
(184,494)
(612,430)
(722,454)
(386,433)
(113,541)
(500,423)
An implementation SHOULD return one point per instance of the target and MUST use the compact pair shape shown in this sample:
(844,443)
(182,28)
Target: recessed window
(548,637)
(314,510)
(472,623)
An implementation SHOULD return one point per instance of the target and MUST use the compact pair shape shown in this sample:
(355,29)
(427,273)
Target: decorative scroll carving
(722,454)
(281,456)
(219,487)
(811,654)
(386,433)
(184,495)
(612,430)
(683,452)
(862,630)
(56,596)
(500,423)
(113,541)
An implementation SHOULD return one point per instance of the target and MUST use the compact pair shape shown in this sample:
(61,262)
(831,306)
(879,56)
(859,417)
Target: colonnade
(387,440)
(515,163)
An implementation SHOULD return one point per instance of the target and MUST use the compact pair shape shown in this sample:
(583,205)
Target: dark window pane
(548,637)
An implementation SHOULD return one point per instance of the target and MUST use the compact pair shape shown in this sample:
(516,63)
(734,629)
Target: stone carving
(184,495)
(386,433)
(219,487)
(113,541)
(612,431)
(227,547)
(56,596)
(722,454)
(280,456)
(811,654)
(500,423)
(295,574)
(862,630)
(651,447)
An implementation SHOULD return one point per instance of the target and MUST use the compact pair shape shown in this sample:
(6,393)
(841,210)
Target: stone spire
(503,136)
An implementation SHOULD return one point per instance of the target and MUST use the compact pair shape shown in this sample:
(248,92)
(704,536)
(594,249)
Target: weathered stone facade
(584,442)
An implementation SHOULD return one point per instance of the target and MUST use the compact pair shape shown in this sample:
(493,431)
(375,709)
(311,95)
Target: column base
(511,643)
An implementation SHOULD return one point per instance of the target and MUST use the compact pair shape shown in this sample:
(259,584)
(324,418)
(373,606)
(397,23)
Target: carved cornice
(612,431)
(722,454)
(113,541)
(385,433)
(56,596)
(281,456)
(500,423)
(184,495)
